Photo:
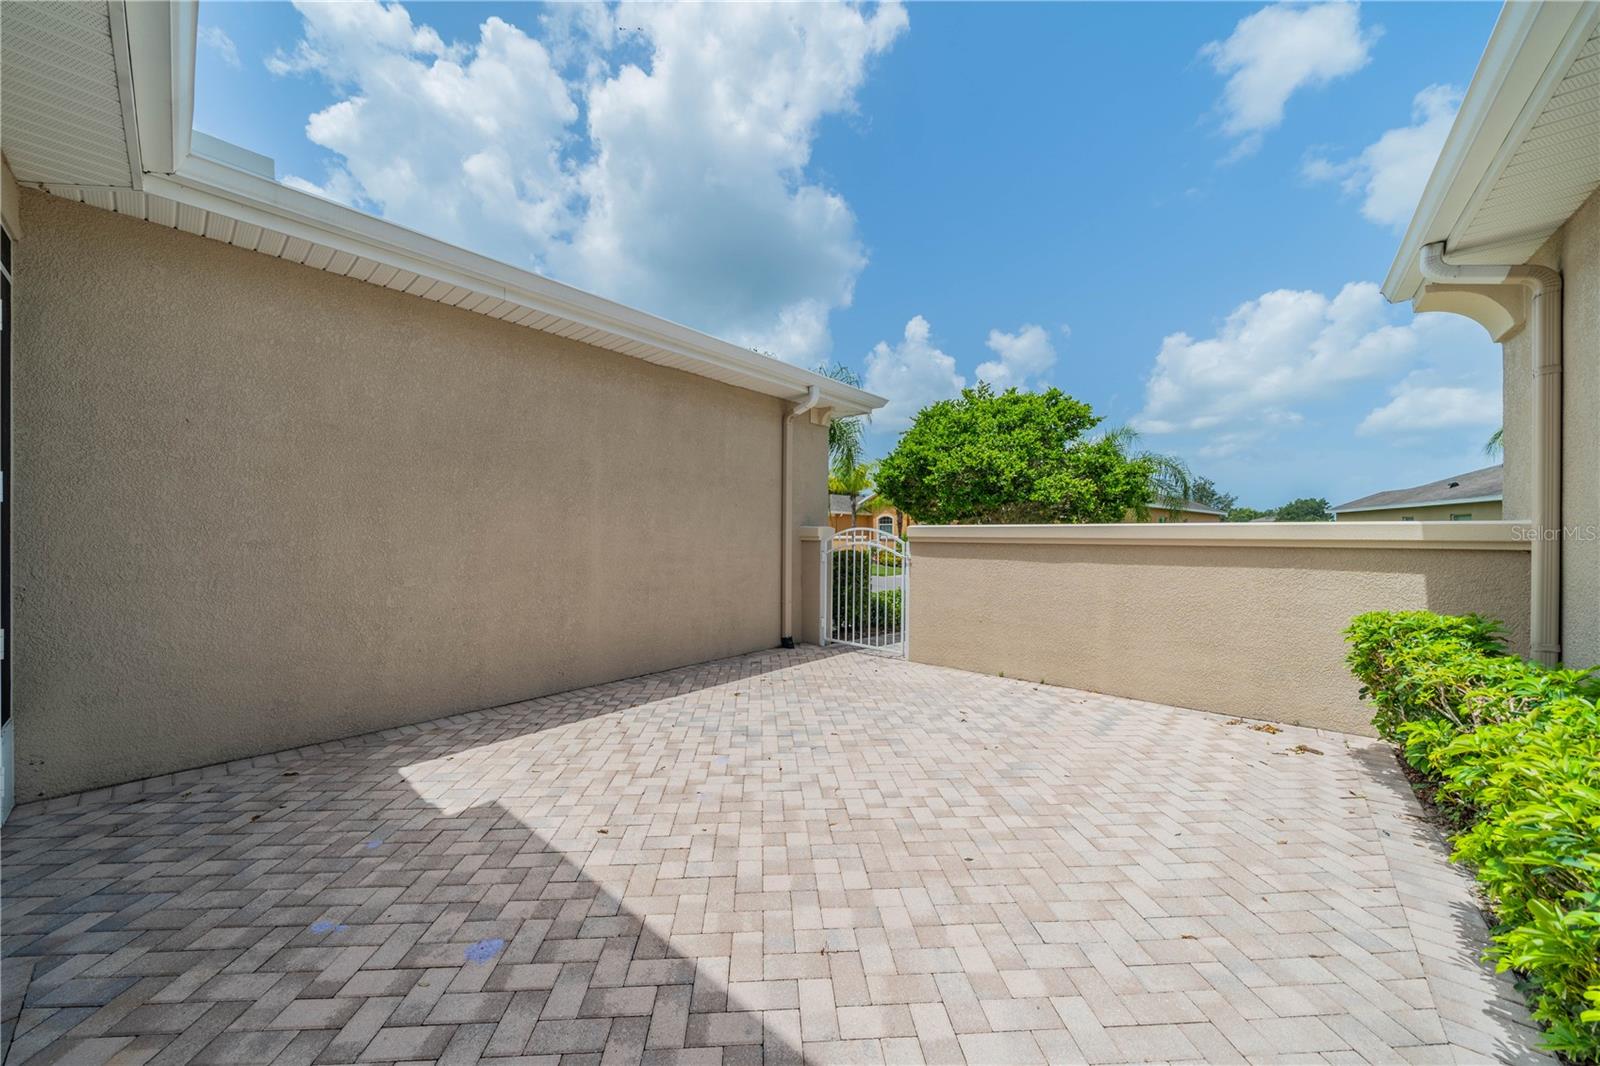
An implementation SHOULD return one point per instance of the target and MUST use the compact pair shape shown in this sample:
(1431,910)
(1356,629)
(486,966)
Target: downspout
(813,397)
(1544,322)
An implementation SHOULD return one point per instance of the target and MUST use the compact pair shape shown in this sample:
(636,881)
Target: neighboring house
(285,473)
(1507,233)
(1473,496)
(1189,512)
(870,513)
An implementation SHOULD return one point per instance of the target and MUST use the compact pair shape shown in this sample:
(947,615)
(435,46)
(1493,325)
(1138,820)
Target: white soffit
(1555,167)
(220,192)
(63,106)
(1524,152)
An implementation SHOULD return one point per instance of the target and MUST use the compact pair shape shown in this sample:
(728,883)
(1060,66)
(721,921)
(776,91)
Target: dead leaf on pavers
(1234,721)
(1266,727)
(1301,749)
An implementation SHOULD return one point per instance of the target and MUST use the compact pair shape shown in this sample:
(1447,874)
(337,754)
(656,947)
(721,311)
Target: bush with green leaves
(1513,749)
(856,609)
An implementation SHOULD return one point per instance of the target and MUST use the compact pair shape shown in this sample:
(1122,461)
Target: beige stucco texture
(259,506)
(1250,631)
(1575,251)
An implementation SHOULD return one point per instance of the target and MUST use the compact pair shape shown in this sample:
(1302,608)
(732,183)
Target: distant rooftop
(1477,486)
(1191,507)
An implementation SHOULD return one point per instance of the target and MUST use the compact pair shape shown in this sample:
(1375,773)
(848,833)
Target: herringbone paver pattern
(796,854)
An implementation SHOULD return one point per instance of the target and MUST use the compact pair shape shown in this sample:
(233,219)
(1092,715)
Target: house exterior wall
(259,506)
(1575,251)
(1253,630)
(1490,511)
(1580,482)
(866,519)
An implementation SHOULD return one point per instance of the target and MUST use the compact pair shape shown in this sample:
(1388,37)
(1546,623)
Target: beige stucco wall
(1253,631)
(1480,512)
(260,506)
(1575,251)
(1580,485)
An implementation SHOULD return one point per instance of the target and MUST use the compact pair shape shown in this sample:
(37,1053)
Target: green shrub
(1418,666)
(856,609)
(1514,749)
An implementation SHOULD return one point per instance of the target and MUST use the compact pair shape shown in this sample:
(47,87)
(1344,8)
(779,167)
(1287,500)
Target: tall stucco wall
(1580,483)
(1241,630)
(260,506)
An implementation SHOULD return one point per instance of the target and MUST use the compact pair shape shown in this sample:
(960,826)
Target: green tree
(1246,514)
(844,434)
(853,481)
(1171,483)
(1496,444)
(1306,509)
(1013,457)
(1206,493)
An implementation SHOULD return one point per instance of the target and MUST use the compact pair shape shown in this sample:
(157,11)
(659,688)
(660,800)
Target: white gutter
(813,397)
(1544,325)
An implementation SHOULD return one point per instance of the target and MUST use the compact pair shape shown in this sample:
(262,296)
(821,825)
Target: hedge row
(1513,749)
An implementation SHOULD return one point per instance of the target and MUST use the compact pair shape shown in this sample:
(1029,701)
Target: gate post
(813,594)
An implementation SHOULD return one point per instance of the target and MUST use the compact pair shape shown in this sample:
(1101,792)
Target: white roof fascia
(1417,503)
(161,47)
(1529,51)
(161,41)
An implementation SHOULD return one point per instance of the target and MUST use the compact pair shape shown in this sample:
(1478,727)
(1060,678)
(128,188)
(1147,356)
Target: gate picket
(860,607)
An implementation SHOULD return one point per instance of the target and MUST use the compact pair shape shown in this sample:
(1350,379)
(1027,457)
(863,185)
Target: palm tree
(844,434)
(1171,481)
(1496,444)
(854,481)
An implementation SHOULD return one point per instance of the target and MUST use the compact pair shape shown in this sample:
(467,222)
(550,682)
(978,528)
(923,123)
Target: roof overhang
(1402,504)
(203,186)
(1524,152)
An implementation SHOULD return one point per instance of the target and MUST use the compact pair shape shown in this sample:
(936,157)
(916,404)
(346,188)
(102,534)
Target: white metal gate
(866,588)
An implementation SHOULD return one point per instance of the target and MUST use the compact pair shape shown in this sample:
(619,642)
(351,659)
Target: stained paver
(834,856)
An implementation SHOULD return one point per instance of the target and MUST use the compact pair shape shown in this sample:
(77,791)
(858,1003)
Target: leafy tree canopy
(1204,492)
(1306,509)
(1013,457)
(1246,514)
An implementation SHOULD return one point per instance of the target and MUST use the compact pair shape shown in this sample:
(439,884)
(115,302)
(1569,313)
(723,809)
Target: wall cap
(815,532)
(1459,536)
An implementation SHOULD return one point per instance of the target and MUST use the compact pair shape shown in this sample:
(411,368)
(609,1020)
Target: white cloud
(911,375)
(654,153)
(1024,357)
(1390,173)
(1275,52)
(1418,406)
(1272,353)
(217,39)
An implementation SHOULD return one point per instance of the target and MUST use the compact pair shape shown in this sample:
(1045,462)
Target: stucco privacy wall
(260,506)
(1251,630)
(1575,251)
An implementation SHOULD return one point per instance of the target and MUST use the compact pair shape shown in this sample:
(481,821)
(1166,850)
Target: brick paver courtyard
(834,857)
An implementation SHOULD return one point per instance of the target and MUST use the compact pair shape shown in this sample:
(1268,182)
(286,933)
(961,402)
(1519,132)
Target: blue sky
(1178,213)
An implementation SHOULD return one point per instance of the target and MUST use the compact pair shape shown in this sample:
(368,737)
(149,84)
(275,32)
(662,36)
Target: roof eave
(1398,504)
(157,52)
(1518,62)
